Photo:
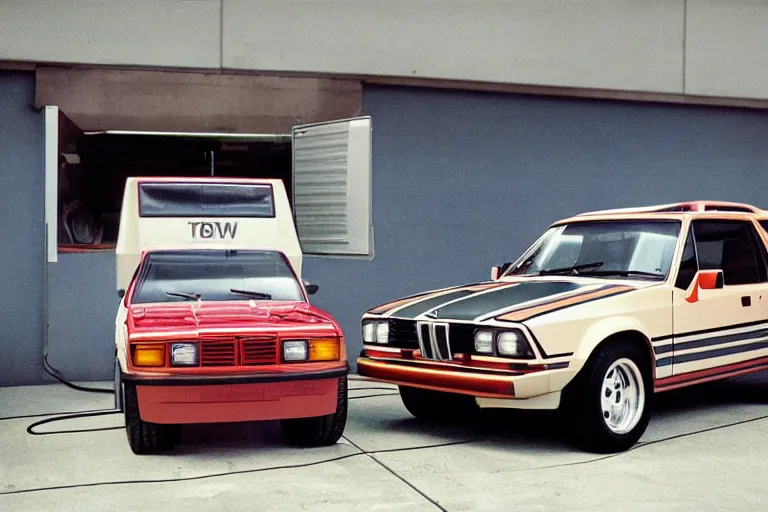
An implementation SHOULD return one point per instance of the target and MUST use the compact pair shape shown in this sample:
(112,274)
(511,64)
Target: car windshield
(174,276)
(636,249)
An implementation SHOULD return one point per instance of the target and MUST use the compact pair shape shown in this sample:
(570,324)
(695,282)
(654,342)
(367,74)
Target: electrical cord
(56,374)
(335,459)
(218,475)
(371,456)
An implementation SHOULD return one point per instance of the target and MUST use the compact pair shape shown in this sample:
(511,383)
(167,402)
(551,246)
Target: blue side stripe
(686,358)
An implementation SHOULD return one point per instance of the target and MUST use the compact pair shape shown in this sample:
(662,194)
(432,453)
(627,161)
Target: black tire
(581,404)
(319,430)
(436,406)
(119,396)
(144,437)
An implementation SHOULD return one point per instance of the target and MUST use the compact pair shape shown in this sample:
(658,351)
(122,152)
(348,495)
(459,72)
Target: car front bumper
(465,379)
(234,398)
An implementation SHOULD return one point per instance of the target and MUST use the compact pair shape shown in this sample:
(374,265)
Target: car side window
(730,246)
(688,264)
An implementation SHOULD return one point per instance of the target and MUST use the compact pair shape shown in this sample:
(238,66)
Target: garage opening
(326,169)
(91,185)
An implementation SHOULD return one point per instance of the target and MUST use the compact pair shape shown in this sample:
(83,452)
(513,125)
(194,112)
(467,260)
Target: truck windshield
(636,249)
(174,276)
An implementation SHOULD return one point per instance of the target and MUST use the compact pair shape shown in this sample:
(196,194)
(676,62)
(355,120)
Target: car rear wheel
(437,406)
(320,430)
(608,405)
(145,437)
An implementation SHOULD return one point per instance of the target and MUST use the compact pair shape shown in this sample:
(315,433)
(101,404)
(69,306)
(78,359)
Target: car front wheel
(608,405)
(437,406)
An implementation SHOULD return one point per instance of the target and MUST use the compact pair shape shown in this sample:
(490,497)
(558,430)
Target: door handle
(746,301)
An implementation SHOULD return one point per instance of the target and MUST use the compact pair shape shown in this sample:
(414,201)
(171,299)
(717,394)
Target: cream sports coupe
(603,311)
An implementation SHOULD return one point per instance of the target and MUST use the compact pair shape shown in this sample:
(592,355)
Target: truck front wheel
(320,430)
(144,437)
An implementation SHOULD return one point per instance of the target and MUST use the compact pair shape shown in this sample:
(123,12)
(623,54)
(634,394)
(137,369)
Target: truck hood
(246,315)
(512,298)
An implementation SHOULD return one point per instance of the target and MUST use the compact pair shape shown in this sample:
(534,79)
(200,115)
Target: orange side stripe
(526,313)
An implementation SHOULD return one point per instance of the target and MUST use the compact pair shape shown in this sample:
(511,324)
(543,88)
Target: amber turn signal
(148,354)
(324,349)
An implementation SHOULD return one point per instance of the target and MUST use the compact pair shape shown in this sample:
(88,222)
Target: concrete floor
(705,450)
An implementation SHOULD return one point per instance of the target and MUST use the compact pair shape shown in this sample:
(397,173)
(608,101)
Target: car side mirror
(311,288)
(498,271)
(704,280)
(121,293)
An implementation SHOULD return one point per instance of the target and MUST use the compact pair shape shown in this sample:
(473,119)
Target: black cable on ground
(394,473)
(30,428)
(216,475)
(372,396)
(40,415)
(56,374)
(392,450)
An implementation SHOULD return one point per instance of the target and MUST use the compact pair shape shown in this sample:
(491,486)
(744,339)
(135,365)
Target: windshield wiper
(575,269)
(258,295)
(190,296)
(624,273)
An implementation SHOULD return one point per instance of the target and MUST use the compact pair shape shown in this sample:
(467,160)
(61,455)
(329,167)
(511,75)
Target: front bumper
(465,380)
(227,398)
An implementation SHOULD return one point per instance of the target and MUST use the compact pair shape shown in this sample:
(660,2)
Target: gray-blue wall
(463,181)
(22,231)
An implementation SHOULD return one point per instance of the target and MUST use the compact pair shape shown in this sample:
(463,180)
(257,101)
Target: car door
(719,330)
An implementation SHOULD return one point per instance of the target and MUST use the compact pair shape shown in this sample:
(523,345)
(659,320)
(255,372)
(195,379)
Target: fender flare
(605,329)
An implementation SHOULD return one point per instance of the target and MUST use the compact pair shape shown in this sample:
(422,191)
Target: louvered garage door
(332,187)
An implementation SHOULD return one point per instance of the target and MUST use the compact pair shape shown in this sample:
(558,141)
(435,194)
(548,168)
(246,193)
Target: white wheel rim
(622,396)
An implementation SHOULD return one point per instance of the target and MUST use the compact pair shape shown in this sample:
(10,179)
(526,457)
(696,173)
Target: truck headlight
(484,342)
(184,354)
(511,343)
(295,350)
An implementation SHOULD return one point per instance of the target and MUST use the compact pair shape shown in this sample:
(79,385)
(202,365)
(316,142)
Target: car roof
(681,210)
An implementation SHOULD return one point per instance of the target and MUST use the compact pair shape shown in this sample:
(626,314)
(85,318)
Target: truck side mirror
(121,293)
(311,288)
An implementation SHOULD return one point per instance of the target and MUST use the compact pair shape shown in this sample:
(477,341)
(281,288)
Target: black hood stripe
(397,307)
(558,303)
(516,293)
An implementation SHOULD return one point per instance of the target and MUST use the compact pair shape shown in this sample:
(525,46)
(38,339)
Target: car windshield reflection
(635,249)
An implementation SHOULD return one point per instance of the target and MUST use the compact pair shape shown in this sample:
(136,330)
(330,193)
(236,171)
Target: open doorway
(92,176)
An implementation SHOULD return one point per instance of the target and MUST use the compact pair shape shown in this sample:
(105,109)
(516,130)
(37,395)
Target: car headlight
(382,332)
(511,343)
(376,332)
(369,332)
(184,354)
(484,342)
(295,350)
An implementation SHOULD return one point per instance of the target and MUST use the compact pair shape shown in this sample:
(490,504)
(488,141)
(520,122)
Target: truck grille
(259,350)
(218,353)
(234,351)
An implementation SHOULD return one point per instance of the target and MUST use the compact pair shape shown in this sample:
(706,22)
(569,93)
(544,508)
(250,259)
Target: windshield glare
(604,248)
(212,274)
